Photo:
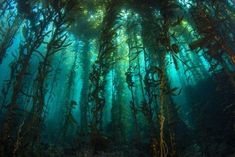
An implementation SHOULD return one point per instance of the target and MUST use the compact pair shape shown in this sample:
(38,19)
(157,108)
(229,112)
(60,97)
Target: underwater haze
(117,78)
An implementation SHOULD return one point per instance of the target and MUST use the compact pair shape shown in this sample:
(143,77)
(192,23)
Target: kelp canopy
(131,78)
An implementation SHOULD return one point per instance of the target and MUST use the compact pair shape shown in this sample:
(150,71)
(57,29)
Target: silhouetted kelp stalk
(118,98)
(8,84)
(54,80)
(131,73)
(156,66)
(86,66)
(171,120)
(133,103)
(58,42)
(213,40)
(9,29)
(34,32)
(151,84)
(172,16)
(117,108)
(101,68)
(69,103)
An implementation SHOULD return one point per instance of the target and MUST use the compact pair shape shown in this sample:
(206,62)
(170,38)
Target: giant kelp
(117,78)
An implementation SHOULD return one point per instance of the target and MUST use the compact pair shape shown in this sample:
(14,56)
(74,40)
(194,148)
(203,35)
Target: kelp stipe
(117,78)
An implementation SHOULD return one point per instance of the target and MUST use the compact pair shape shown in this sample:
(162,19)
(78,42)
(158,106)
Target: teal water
(117,78)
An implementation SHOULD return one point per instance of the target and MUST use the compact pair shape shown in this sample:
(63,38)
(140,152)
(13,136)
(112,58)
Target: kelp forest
(117,78)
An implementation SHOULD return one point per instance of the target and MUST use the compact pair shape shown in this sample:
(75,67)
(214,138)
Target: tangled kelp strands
(108,78)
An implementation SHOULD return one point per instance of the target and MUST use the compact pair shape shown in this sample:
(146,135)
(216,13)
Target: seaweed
(8,32)
(101,67)
(56,44)
(34,40)
(85,88)
(117,78)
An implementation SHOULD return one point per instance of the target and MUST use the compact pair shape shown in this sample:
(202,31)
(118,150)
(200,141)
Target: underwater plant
(149,78)
(34,34)
(8,36)
(102,66)
(85,63)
